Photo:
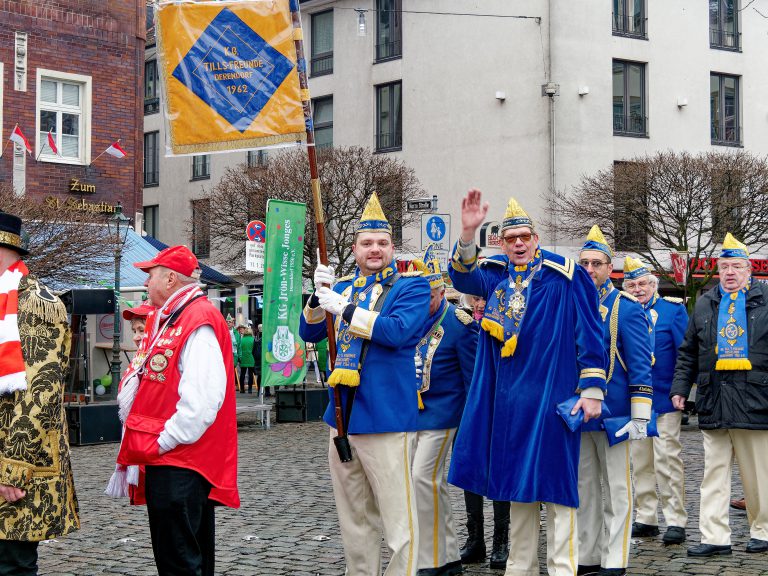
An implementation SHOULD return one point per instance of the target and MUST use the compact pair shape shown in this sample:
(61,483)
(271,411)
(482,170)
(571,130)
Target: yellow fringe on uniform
(493,328)
(421,403)
(733,364)
(344,376)
(509,347)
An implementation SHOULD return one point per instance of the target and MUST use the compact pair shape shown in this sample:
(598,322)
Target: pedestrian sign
(436,230)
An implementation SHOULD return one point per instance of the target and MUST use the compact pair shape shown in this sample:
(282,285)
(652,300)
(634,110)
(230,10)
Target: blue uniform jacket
(511,444)
(670,322)
(630,383)
(450,373)
(386,400)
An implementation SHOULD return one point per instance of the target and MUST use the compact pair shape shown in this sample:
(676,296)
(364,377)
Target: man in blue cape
(379,318)
(658,459)
(605,488)
(540,345)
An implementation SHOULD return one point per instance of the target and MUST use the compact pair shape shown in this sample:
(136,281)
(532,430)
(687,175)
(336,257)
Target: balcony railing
(389,141)
(726,135)
(321,64)
(630,25)
(631,125)
(151,106)
(724,40)
(389,50)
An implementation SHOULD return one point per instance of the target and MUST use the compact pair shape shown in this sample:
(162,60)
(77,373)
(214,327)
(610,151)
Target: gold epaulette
(628,296)
(566,268)
(463,317)
(42,302)
(673,299)
(347,278)
(412,274)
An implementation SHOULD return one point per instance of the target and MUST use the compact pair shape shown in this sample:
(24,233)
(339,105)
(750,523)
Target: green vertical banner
(282,351)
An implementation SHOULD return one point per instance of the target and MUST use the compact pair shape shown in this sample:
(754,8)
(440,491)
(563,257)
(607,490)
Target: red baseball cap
(141,311)
(177,258)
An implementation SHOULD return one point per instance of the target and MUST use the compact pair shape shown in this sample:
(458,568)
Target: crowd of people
(554,390)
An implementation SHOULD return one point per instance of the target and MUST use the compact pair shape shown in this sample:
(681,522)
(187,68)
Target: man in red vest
(181,423)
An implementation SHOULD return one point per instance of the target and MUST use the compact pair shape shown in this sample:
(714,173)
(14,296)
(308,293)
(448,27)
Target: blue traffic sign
(435,228)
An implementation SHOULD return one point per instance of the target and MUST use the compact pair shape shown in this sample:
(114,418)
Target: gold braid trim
(614,328)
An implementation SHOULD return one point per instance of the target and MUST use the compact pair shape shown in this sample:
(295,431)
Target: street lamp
(118,230)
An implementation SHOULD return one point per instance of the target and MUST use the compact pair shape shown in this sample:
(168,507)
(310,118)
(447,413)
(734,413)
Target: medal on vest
(158,362)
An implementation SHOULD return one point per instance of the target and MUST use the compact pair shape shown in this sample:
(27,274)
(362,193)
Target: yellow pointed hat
(633,268)
(596,241)
(373,219)
(515,216)
(732,248)
(429,266)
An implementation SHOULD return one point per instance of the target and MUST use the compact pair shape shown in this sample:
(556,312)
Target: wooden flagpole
(341,441)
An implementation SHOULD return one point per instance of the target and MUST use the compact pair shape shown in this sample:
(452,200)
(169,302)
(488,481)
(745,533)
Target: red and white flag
(52,144)
(18,137)
(116,150)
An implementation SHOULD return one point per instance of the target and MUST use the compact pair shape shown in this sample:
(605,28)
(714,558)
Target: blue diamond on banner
(233,70)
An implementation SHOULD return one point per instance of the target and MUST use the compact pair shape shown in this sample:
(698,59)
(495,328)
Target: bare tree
(67,246)
(348,177)
(669,201)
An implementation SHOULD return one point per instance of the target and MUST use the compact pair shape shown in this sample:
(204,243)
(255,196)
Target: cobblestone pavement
(287,523)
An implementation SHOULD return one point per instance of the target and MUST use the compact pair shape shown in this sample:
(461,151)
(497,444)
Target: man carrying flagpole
(380,316)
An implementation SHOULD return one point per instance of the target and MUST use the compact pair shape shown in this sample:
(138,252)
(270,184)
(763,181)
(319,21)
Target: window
(322,119)
(724,109)
(724,25)
(389,120)
(257,159)
(629,116)
(630,214)
(64,109)
(201,228)
(151,100)
(151,220)
(201,167)
(151,159)
(322,43)
(389,31)
(629,18)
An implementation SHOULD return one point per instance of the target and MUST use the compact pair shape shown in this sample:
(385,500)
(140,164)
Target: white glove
(331,301)
(419,365)
(637,430)
(324,275)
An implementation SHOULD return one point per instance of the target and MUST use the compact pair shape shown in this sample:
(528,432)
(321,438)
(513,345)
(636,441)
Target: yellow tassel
(421,403)
(653,359)
(344,376)
(509,347)
(493,328)
(733,364)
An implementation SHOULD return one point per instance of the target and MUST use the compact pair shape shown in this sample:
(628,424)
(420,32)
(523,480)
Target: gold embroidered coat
(34,447)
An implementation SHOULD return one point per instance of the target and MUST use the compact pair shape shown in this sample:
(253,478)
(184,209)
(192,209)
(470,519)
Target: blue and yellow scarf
(732,336)
(500,321)
(348,346)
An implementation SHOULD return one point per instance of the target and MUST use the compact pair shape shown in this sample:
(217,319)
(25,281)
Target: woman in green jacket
(245,359)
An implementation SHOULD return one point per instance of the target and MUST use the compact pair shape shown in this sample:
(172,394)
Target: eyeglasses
(734,267)
(641,284)
(511,238)
(593,263)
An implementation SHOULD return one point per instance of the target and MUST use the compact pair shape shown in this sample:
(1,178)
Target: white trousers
(657,461)
(605,502)
(374,493)
(437,534)
(751,450)
(562,543)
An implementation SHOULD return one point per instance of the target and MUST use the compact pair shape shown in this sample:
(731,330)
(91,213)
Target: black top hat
(10,233)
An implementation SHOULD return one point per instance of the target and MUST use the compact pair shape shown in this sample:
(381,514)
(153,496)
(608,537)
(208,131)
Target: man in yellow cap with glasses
(540,345)
(725,352)
(658,459)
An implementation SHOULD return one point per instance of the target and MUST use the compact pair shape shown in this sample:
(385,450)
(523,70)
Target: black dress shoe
(756,545)
(674,535)
(590,570)
(612,572)
(704,550)
(640,530)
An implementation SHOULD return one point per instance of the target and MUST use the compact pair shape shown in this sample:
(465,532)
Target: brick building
(74,67)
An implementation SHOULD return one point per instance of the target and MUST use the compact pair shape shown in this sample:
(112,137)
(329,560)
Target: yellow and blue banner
(230,75)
